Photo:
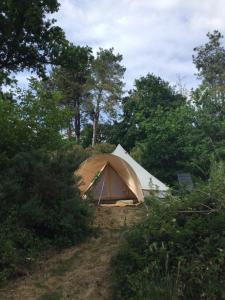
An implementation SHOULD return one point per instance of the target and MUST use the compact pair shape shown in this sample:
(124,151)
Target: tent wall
(147,180)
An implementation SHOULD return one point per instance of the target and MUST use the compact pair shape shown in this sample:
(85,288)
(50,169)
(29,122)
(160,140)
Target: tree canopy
(28,37)
(71,80)
(105,86)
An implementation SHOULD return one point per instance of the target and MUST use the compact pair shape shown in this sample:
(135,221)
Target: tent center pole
(101,192)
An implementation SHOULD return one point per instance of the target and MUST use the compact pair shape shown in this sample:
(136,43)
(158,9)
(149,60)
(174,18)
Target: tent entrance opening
(110,186)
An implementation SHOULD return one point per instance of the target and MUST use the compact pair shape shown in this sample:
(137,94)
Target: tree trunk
(94,131)
(69,132)
(96,119)
(95,127)
(77,119)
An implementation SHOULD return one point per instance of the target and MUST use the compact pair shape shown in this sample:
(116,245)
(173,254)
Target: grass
(40,285)
(65,265)
(56,295)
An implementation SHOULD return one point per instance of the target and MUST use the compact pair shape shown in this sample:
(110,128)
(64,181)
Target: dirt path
(81,272)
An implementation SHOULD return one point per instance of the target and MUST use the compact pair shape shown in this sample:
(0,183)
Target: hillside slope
(81,272)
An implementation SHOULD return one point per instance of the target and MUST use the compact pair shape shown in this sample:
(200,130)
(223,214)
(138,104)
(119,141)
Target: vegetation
(177,252)
(40,203)
(106,87)
(71,80)
(77,109)
(28,39)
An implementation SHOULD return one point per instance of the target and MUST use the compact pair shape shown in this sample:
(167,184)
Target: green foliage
(71,81)
(39,198)
(209,125)
(209,100)
(13,129)
(90,87)
(105,87)
(157,125)
(152,91)
(28,39)
(139,107)
(164,132)
(171,140)
(102,135)
(100,149)
(19,246)
(40,202)
(86,135)
(209,60)
(178,251)
(33,122)
(40,206)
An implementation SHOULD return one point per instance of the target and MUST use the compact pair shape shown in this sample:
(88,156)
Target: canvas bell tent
(148,181)
(109,178)
(117,177)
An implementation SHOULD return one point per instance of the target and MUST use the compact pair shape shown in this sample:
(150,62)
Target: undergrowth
(178,251)
(40,208)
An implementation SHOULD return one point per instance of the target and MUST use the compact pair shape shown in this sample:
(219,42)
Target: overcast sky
(156,36)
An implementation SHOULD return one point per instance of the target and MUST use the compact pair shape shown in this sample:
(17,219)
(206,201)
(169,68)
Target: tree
(28,39)
(209,60)
(39,196)
(71,80)
(152,91)
(157,127)
(209,99)
(126,131)
(210,124)
(102,136)
(149,93)
(170,142)
(34,121)
(105,87)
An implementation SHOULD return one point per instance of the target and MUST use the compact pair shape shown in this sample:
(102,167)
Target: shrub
(103,148)
(178,251)
(40,206)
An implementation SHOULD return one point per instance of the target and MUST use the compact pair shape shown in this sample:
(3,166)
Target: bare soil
(81,272)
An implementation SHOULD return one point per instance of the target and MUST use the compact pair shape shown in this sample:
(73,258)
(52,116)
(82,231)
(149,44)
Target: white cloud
(156,36)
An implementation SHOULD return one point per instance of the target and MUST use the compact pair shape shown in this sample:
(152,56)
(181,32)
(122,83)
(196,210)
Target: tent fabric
(111,186)
(92,168)
(147,180)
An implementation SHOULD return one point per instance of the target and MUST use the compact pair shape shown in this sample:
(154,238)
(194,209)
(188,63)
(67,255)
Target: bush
(40,206)
(103,148)
(178,251)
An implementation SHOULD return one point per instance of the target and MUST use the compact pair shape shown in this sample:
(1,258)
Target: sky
(154,36)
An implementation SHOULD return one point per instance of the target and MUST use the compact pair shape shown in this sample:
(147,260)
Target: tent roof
(96,164)
(148,181)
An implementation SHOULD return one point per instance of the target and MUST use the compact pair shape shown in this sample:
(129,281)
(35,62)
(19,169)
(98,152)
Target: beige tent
(109,178)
